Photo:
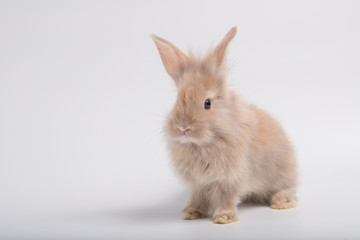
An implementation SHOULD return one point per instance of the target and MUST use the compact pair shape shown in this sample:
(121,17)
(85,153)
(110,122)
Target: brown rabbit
(227,150)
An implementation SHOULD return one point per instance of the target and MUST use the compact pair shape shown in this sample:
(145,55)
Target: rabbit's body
(253,159)
(226,149)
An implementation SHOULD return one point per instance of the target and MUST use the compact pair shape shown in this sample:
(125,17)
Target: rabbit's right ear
(174,60)
(219,53)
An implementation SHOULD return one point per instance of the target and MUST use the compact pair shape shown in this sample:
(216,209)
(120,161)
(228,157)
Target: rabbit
(227,150)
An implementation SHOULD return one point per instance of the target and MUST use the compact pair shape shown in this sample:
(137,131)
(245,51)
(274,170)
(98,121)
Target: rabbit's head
(203,106)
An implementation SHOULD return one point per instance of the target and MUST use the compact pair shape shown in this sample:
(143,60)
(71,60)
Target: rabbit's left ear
(219,53)
(173,58)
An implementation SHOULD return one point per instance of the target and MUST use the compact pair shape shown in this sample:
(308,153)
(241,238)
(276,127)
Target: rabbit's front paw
(225,218)
(283,199)
(192,214)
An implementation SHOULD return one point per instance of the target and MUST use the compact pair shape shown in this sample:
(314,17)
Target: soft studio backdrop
(83,95)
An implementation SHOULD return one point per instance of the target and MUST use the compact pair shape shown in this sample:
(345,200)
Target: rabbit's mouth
(184,131)
(194,137)
(185,136)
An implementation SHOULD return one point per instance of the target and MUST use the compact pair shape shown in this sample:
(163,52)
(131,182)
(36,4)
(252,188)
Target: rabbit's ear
(219,53)
(174,60)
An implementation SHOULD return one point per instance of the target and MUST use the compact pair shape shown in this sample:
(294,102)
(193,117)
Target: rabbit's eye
(207,104)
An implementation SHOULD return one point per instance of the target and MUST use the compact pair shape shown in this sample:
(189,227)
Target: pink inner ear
(219,52)
(172,58)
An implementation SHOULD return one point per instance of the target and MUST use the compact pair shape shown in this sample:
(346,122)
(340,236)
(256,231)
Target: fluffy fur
(228,153)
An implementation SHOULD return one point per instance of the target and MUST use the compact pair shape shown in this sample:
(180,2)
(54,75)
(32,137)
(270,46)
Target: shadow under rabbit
(164,211)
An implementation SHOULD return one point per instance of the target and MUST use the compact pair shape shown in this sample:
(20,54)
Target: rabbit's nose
(183,129)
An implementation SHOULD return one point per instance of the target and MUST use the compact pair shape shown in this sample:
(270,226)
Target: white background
(83,95)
